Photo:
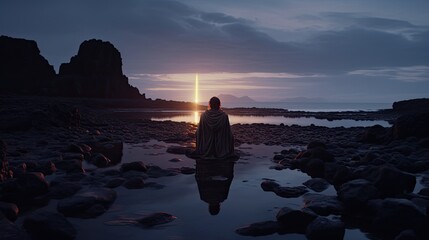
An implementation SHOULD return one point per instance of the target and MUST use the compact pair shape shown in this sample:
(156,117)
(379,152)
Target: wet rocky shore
(380,174)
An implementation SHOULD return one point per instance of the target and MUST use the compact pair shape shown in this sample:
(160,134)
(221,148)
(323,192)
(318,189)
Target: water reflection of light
(197,115)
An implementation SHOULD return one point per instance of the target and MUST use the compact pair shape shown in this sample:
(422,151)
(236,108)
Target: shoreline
(42,137)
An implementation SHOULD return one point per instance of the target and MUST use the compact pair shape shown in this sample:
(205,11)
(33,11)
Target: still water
(193,117)
(242,200)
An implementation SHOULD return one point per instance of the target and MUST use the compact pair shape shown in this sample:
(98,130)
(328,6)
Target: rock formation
(22,69)
(96,71)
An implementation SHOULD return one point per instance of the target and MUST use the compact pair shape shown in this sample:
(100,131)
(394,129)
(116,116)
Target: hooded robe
(214,136)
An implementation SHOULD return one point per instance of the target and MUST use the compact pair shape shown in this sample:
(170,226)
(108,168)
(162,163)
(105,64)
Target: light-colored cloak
(214,136)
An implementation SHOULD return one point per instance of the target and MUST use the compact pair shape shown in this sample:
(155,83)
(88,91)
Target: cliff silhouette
(95,72)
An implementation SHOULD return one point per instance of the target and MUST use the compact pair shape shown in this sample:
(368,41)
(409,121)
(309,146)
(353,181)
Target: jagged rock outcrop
(412,105)
(22,69)
(96,71)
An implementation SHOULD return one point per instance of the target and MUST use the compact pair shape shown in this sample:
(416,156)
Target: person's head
(214,103)
(214,208)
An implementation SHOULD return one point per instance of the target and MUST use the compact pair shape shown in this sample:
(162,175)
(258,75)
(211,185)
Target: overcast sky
(339,50)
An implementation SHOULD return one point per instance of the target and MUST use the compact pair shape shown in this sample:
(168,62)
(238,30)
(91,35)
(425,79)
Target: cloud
(166,36)
(406,74)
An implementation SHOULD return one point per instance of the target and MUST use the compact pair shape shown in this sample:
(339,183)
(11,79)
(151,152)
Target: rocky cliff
(23,69)
(96,71)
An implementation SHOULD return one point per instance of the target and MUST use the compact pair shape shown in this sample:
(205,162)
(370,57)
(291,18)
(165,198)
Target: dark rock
(317,184)
(337,174)
(316,144)
(134,183)
(187,170)
(96,71)
(156,172)
(324,228)
(100,160)
(63,190)
(156,219)
(290,192)
(87,204)
(72,156)
(392,216)
(376,134)
(114,183)
(322,204)
(23,69)
(111,149)
(286,192)
(412,105)
(75,148)
(70,166)
(175,160)
(356,193)
(9,210)
(412,125)
(294,221)
(134,166)
(10,231)
(391,182)
(259,229)
(269,185)
(424,191)
(315,168)
(47,225)
(179,150)
(278,158)
(407,235)
(317,152)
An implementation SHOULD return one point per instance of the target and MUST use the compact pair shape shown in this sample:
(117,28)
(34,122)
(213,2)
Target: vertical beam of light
(196,88)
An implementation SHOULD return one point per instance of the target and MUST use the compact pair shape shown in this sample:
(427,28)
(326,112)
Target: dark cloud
(163,36)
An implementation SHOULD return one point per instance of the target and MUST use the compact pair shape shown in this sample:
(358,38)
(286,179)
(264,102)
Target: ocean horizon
(312,106)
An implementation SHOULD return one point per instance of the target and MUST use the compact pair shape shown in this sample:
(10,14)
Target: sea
(313,106)
(193,117)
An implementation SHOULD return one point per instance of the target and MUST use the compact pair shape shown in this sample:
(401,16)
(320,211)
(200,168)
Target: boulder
(63,190)
(356,193)
(134,183)
(155,219)
(87,204)
(323,204)
(376,134)
(286,192)
(259,229)
(317,184)
(10,231)
(114,183)
(22,69)
(324,228)
(156,172)
(24,188)
(9,210)
(293,220)
(48,225)
(96,71)
(412,125)
(392,216)
(134,166)
(391,181)
(100,160)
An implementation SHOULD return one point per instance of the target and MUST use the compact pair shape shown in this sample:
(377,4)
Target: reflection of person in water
(214,180)
(214,136)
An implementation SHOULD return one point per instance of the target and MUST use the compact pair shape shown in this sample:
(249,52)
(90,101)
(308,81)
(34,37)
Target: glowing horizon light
(196,88)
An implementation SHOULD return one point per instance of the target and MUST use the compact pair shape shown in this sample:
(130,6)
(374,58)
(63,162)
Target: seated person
(214,136)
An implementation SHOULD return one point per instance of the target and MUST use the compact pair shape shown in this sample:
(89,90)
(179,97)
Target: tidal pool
(193,117)
(244,201)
